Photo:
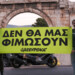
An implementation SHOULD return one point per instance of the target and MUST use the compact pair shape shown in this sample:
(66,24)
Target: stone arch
(9,16)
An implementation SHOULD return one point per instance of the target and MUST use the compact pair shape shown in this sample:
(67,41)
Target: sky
(25,18)
(72,0)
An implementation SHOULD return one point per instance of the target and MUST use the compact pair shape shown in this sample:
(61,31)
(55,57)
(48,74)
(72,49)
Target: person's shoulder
(73,30)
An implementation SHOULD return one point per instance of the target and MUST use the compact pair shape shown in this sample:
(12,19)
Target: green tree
(40,22)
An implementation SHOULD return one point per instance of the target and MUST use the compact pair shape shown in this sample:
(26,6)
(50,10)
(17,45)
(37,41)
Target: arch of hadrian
(57,13)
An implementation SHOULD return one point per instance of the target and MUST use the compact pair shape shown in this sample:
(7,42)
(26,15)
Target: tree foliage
(40,22)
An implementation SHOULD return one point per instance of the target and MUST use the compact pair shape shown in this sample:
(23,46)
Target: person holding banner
(73,50)
(1,63)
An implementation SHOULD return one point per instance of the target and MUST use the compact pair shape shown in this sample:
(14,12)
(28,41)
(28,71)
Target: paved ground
(39,70)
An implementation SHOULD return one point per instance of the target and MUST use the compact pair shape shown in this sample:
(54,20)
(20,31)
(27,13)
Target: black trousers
(1,64)
(73,61)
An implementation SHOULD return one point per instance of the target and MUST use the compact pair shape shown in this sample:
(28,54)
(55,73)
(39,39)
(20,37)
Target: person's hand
(24,56)
(73,51)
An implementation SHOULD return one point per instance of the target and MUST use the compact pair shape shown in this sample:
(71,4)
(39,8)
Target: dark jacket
(1,62)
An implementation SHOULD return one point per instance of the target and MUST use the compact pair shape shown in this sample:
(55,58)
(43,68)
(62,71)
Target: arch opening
(26,19)
(11,15)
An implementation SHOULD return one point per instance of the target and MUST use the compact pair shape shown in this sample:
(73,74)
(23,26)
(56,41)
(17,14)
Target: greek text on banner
(36,40)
